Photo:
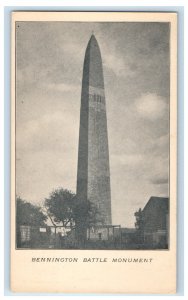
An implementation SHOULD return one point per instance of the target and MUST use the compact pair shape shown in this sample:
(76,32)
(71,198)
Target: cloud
(158,173)
(131,160)
(151,106)
(44,172)
(160,146)
(50,132)
(115,63)
(162,180)
(63,87)
(118,65)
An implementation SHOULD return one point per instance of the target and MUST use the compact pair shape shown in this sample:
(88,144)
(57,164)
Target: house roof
(157,202)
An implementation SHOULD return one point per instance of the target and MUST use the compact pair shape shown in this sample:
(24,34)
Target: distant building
(155,222)
(103,232)
(36,237)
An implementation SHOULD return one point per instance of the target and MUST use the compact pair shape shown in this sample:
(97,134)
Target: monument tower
(93,177)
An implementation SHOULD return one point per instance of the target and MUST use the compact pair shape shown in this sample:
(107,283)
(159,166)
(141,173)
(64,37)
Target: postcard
(93,152)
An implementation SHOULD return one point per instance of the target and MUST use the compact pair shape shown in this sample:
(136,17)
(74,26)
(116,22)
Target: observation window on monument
(97,98)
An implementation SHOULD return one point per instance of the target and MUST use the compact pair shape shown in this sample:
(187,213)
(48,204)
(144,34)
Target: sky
(49,65)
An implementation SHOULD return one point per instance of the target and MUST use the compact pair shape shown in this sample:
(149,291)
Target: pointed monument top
(93,43)
(93,63)
(92,38)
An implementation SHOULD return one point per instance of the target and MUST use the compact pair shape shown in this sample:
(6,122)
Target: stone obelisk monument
(93,177)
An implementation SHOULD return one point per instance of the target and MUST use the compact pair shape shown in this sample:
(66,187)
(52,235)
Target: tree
(59,207)
(64,208)
(29,215)
(139,219)
(86,215)
(139,224)
(88,212)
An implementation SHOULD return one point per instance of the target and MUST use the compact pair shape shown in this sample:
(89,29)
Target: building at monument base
(155,227)
(103,232)
(129,238)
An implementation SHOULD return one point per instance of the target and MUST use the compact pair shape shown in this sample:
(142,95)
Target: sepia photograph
(92,135)
(93,152)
